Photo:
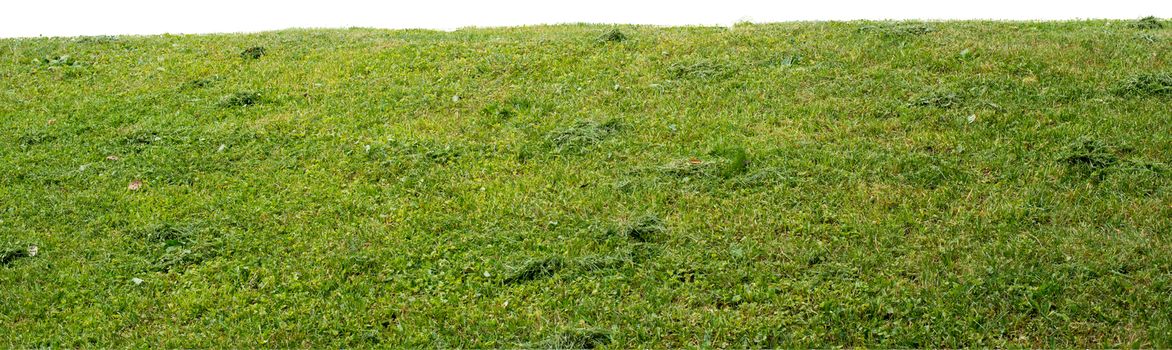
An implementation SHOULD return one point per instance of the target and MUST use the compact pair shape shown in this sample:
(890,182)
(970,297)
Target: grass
(581,135)
(856,184)
(1148,84)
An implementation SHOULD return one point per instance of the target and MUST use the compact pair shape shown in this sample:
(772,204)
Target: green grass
(879,184)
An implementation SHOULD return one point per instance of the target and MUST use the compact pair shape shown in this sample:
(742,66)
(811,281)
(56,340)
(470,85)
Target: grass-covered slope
(798,184)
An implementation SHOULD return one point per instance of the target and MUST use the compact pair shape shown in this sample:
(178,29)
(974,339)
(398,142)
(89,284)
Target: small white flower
(222,148)
(455,98)
(136,280)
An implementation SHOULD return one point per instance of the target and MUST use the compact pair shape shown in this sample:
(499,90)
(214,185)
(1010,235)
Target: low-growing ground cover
(884,184)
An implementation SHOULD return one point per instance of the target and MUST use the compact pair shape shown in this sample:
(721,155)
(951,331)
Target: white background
(23,18)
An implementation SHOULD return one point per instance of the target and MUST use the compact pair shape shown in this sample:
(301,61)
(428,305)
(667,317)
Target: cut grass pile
(855,184)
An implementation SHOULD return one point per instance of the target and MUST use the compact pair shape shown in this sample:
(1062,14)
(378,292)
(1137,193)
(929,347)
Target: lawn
(873,184)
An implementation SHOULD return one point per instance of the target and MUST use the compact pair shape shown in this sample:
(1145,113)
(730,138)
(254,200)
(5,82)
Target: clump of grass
(139,138)
(785,59)
(201,82)
(702,69)
(1089,153)
(691,167)
(1147,84)
(536,269)
(240,99)
(408,160)
(359,264)
(643,228)
(198,83)
(35,138)
(737,164)
(181,245)
(603,262)
(614,35)
(1143,165)
(167,233)
(59,61)
(720,163)
(936,99)
(914,29)
(9,255)
(584,133)
(415,151)
(686,274)
(578,338)
(507,109)
(179,257)
(1151,39)
(437,154)
(499,111)
(252,53)
(766,177)
(1149,22)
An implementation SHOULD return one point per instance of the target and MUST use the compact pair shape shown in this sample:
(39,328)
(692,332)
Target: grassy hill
(883,184)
